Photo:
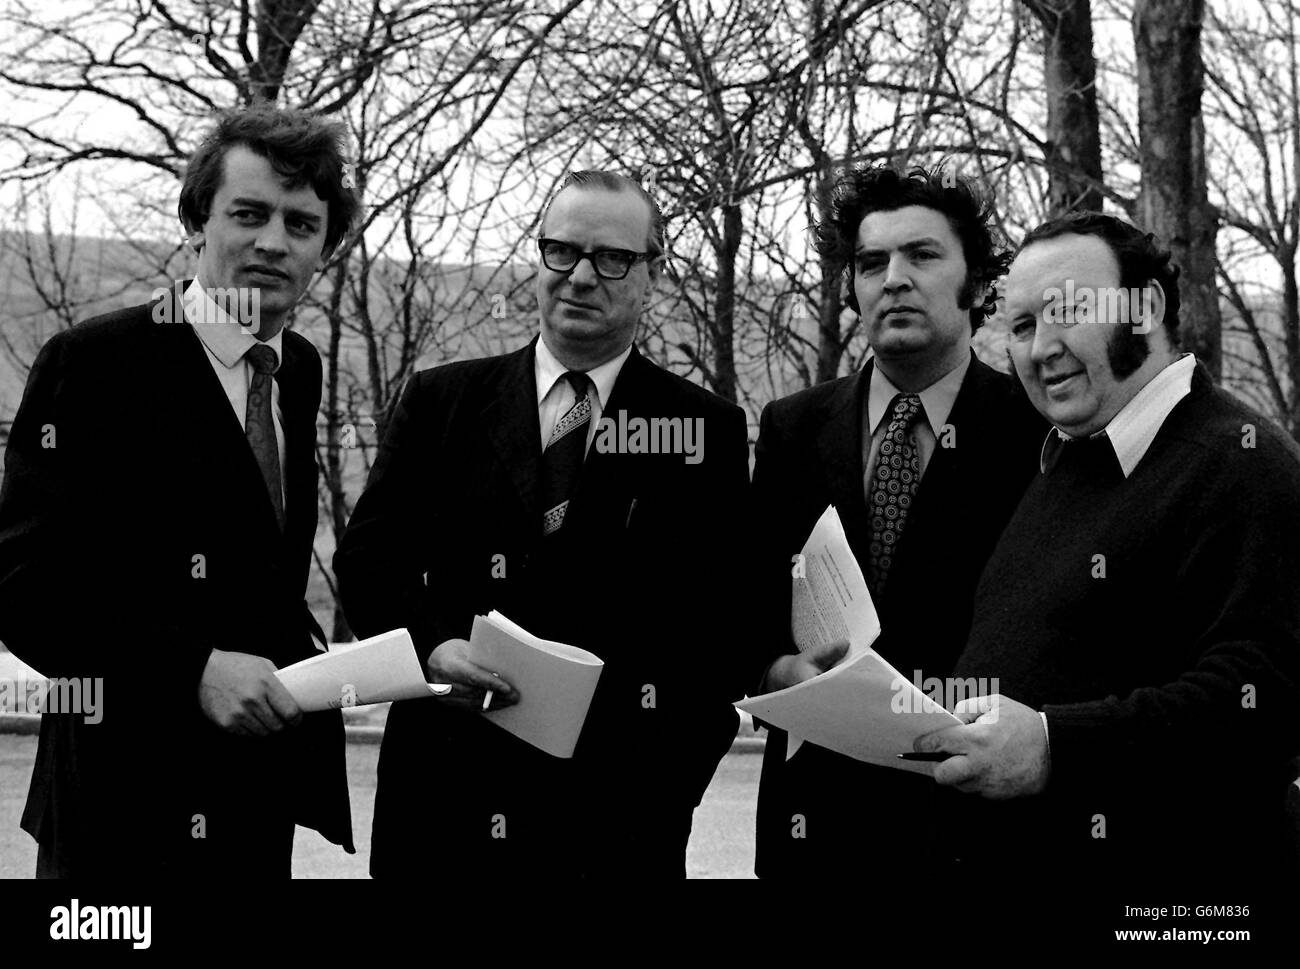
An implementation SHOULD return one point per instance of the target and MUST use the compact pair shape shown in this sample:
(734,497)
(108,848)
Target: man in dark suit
(156,524)
(1140,612)
(481,499)
(924,455)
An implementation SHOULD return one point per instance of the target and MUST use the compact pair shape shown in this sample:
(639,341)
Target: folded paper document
(555,682)
(862,707)
(374,670)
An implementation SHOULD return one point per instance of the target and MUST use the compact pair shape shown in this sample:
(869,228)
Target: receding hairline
(594,187)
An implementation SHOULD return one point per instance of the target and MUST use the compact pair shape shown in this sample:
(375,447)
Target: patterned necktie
(893,485)
(259,426)
(562,459)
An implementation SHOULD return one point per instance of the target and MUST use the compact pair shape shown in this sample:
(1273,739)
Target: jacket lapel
(299,445)
(839,448)
(965,421)
(608,483)
(208,421)
(513,428)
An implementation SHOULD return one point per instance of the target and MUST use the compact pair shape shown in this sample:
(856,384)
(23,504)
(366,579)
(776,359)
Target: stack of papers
(555,682)
(862,707)
(374,670)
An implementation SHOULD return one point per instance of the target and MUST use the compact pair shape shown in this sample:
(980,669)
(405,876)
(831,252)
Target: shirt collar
(222,335)
(548,370)
(1132,430)
(936,400)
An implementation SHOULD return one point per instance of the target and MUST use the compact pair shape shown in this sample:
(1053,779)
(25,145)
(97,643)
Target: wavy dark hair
(304,148)
(883,188)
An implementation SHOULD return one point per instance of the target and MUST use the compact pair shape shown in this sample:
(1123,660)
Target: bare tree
(1253,115)
(1073,123)
(1174,202)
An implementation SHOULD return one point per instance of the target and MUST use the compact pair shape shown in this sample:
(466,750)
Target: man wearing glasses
(488,494)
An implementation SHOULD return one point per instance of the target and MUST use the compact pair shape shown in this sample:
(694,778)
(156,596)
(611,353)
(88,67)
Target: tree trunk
(1291,329)
(339,434)
(724,349)
(830,343)
(1174,203)
(1073,126)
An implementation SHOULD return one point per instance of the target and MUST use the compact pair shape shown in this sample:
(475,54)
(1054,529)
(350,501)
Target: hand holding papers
(374,670)
(555,681)
(862,707)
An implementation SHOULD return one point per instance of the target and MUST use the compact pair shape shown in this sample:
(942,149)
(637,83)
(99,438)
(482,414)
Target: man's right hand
(241,694)
(797,667)
(450,663)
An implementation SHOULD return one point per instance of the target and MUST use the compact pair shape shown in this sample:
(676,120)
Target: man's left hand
(1001,747)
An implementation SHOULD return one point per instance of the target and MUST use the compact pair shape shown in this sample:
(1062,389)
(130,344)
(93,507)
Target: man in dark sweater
(1139,620)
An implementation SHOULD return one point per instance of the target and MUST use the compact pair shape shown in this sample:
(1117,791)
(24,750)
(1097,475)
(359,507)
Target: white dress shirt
(555,396)
(226,343)
(1132,430)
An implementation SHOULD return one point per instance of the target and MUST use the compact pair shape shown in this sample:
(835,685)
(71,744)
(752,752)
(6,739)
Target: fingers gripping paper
(375,670)
(862,707)
(555,681)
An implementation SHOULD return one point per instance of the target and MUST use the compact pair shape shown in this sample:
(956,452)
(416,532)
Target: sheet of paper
(831,601)
(374,670)
(556,682)
(863,708)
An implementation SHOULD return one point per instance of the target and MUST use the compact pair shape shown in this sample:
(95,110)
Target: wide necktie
(562,459)
(893,485)
(259,425)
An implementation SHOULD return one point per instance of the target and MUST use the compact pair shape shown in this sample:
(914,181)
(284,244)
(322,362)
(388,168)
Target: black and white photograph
(528,455)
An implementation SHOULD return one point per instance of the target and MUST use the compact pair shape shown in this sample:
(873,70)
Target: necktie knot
(579,381)
(904,409)
(261,358)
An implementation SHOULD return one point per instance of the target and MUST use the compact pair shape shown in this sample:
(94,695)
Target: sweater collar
(1134,428)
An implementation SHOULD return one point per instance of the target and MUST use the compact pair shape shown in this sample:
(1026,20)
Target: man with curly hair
(924,454)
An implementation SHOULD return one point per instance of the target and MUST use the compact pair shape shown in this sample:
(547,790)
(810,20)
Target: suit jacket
(136,536)
(809,455)
(642,574)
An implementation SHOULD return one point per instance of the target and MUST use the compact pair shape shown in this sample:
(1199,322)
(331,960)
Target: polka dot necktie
(562,459)
(259,426)
(893,486)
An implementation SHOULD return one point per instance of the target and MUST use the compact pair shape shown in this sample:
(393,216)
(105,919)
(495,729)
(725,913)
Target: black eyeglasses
(560,257)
